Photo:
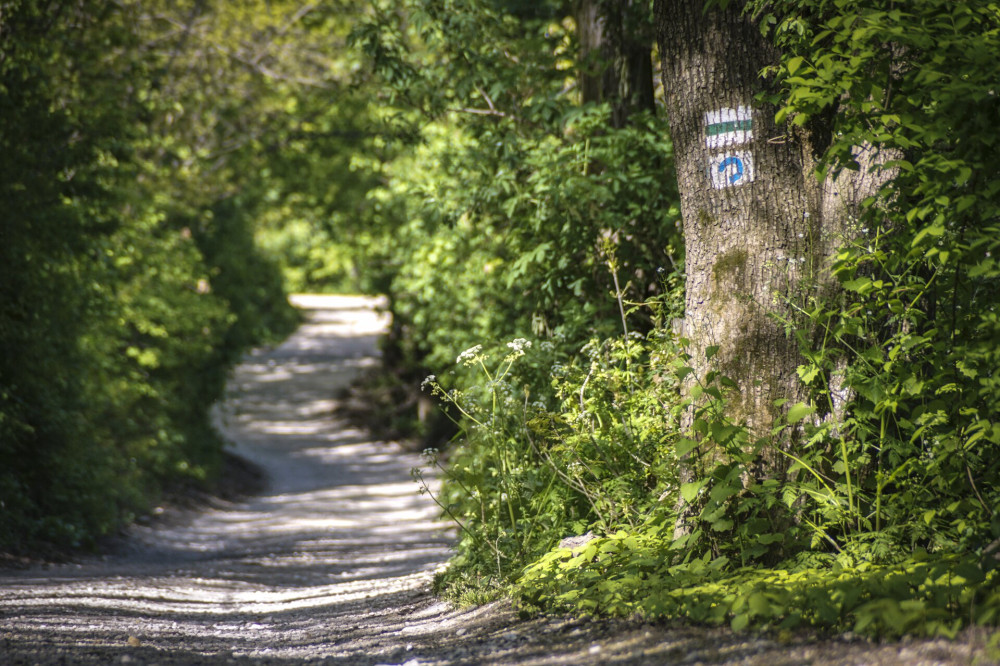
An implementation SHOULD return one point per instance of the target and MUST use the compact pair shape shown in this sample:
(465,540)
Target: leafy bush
(120,315)
(883,520)
(529,468)
(913,340)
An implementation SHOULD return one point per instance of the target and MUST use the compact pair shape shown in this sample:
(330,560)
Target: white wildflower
(519,344)
(469,355)
(429,379)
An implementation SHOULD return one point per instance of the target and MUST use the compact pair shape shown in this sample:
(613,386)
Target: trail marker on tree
(725,128)
(731,169)
(728,127)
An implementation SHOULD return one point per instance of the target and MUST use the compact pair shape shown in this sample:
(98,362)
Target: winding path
(332,564)
(340,545)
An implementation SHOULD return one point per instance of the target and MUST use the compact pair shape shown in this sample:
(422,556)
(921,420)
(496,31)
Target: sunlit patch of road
(333,563)
(341,523)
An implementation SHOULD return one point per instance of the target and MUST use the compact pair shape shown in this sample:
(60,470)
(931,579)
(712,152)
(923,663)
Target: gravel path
(332,563)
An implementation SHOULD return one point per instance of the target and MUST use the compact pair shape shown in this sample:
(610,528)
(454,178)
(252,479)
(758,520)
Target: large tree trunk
(750,231)
(760,229)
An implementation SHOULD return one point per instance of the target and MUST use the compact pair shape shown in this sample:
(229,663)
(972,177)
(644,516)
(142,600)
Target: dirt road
(332,564)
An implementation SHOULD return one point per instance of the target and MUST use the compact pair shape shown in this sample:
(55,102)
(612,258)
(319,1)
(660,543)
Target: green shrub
(119,317)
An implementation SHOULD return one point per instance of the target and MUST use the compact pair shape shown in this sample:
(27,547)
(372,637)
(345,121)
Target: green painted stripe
(731,126)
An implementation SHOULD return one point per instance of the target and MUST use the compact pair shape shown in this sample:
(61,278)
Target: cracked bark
(759,235)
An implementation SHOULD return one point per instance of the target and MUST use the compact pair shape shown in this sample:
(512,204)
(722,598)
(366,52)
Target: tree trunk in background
(590,34)
(760,229)
(616,52)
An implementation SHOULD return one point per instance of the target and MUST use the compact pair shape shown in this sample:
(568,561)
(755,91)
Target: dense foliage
(537,273)
(916,333)
(131,282)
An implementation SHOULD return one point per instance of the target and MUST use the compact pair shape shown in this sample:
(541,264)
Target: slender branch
(489,102)
(968,473)
(484,112)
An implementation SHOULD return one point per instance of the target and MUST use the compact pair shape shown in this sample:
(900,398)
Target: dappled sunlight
(341,525)
(692,305)
(199,596)
(333,561)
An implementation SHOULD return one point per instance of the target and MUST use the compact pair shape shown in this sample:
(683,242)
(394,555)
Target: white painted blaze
(728,127)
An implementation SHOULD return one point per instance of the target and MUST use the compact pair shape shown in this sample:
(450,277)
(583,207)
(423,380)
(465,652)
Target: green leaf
(685,446)
(799,411)
(740,622)
(930,230)
(768,539)
(807,373)
(861,285)
(759,604)
(969,572)
(722,525)
(689,491)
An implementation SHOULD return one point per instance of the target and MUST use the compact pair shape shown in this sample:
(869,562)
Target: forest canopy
(710,287)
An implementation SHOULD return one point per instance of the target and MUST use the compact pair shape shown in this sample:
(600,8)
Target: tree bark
(760,228)
(749,227)
(590,35)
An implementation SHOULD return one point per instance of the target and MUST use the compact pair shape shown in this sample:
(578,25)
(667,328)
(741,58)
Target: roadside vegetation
(131,280)
(539,279)
(502,175)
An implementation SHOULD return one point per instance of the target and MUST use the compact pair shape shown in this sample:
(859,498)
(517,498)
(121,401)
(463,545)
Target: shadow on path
(333,562)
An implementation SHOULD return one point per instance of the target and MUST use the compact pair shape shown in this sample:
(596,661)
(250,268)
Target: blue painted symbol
(732,161)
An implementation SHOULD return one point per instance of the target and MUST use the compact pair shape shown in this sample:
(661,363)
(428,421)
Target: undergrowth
(631,574)
(594,471)
(571,500)
(596,458)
